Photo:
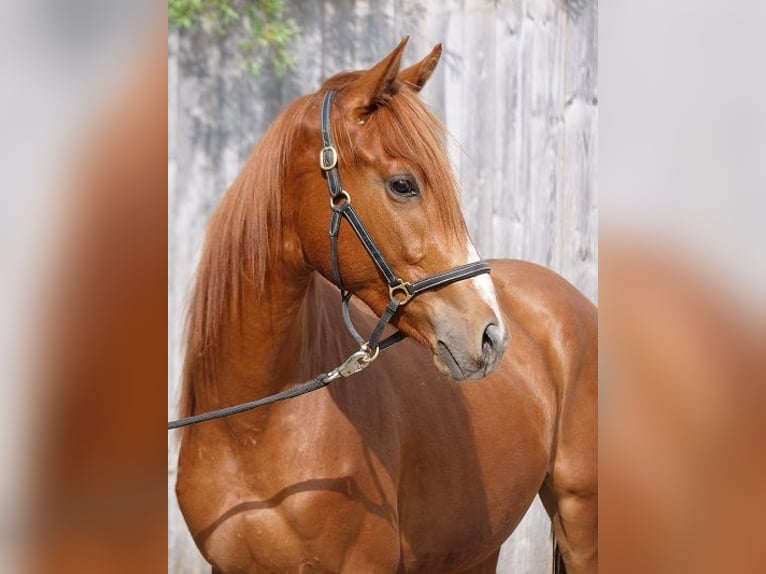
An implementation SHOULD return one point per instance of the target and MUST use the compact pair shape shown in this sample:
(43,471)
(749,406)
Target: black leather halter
(399,290)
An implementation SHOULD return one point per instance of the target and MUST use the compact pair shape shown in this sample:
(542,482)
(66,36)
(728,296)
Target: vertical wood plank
(578,223)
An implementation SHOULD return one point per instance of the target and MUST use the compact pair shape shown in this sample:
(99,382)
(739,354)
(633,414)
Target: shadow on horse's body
(398,469)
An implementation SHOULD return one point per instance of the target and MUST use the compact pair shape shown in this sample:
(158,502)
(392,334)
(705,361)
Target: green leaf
(263,25)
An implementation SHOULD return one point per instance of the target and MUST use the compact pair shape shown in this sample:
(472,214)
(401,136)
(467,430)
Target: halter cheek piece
(399,291)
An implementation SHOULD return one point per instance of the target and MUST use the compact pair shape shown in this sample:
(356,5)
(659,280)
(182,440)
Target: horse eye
(403,187)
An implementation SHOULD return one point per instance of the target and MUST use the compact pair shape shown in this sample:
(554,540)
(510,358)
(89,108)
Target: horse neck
(260,348)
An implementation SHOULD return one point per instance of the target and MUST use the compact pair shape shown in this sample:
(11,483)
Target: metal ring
(370,357)
(327,166)
(342,195)
(402,287)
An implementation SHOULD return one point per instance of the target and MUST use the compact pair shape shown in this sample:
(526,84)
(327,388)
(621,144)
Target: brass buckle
(402,287)
(327,166)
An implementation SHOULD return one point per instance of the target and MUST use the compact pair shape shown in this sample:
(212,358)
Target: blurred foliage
(266,29)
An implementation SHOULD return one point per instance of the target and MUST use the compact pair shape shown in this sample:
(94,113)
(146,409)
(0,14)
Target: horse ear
(417,75)
(377,84)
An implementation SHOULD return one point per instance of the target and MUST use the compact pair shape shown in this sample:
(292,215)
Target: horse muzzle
(465,353)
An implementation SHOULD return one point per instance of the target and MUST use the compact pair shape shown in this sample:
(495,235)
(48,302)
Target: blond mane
(239,244)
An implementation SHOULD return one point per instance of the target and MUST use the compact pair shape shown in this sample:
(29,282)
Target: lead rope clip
(355,362)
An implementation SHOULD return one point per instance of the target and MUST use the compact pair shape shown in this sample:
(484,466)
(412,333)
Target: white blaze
(483,284)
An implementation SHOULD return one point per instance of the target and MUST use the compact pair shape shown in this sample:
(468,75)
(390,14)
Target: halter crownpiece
(400,291)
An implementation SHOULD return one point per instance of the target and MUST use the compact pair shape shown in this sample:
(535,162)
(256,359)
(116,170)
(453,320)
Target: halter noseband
(400,291)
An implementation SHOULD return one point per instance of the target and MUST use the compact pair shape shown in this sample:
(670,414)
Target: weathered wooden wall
(517,89)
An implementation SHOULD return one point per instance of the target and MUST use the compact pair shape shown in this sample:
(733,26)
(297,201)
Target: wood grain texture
(517,89)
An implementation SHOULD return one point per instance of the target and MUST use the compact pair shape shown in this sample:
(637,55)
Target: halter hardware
(335,201)
(325,162)
(355,362)
(404,288)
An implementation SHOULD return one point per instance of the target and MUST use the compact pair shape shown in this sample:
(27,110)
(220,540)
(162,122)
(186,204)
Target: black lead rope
(400,291)
(316,383)
(353,364)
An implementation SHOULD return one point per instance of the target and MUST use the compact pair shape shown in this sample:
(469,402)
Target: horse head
(389,149)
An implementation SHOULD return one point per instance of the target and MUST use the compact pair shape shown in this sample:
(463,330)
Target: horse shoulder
(563,325)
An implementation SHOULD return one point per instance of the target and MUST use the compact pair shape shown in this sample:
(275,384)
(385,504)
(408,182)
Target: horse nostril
(489,341)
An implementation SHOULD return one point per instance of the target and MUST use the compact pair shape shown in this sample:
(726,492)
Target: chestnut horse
(401,468)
